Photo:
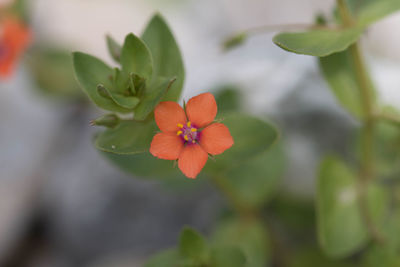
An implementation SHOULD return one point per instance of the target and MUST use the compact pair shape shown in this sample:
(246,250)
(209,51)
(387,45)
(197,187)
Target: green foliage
(319,43)
(192,246)
(129,137)
(342,229)
(235,41)
(254,182)
(246,235)
(114,48)
(136,57)
(228,99)
(90,72)
(151,71)
(370,11)
(194,251)
(52,71)
(167,59)
(339,72)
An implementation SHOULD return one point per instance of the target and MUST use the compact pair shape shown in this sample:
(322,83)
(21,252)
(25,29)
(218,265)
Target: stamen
(186,138)
(193,129)
(189,124)
(180,125)
(179,133)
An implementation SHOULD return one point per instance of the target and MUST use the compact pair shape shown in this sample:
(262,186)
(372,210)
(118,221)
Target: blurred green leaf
(129,137)
(227,256)
(381,255)
(168,258)
(90,72)
(310,256)
(136,57)
(235,41)
(228,99)
(53,72)
(152,97)
(390,114)
(252,137)
(319,43)
(255,181)
(114,48)
(167,59)
(370,11)
(341,229)
(193,246)
(340,74)
(246,235)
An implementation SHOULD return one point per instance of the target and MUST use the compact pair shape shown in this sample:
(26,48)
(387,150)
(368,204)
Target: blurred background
(62,204)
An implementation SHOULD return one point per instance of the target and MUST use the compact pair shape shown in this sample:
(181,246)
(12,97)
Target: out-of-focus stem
(367,172)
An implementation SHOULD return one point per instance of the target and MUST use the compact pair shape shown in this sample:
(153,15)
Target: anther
(179,133)
(186,138)
(180,125)
(189,124)
(193,129)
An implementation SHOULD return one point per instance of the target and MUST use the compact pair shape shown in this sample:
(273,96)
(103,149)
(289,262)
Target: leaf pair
(193,251)
(321,43)
(151,70)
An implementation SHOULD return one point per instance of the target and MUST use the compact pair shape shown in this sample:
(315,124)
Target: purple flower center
(188,133)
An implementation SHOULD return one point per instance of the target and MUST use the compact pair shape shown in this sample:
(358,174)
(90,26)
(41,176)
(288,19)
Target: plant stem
(367,171)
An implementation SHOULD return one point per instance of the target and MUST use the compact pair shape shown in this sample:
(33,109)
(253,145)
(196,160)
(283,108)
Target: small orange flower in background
(14,39)
(189,136)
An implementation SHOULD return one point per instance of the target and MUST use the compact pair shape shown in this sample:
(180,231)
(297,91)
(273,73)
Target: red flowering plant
(146,128)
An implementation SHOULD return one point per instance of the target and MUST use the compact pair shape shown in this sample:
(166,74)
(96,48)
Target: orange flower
(14,38)
(189,137)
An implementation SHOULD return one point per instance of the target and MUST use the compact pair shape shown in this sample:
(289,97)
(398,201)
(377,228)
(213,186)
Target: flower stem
(367,171)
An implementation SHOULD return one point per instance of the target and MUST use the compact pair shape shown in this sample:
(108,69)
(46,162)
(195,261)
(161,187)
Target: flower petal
(202,109)
(192,160)
(216,138)
(168,115)
(166,146)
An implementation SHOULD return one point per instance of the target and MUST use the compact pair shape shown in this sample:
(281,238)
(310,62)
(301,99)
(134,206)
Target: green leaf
(255,181)
(168,258)
(339,72)
(53,72)
(341,230)
(251,137)
(108,120)
(193,246)
(128,102)
(312,256)
(136,57)
(145,165)
(167,58)
(370,11)
(319,43)
(228,99)
(381,256)
(90,72)
(227,256)
(248,236)
(152,97)
(114,48)
(129,137)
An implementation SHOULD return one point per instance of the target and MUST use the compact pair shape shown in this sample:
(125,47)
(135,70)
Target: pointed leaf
(341,230)
(136,57)
(129,137)
(227,256)
(167,57)
(90,72)
(319,43)
(168,258)
(152,97)
(248,236)
(370,11)
(193,246)
(114,48)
